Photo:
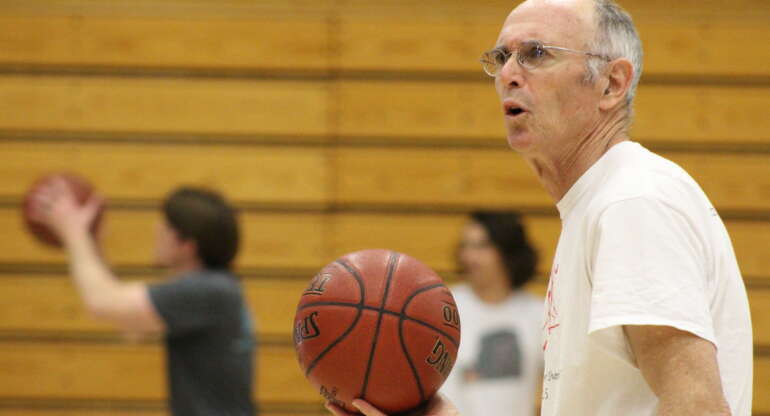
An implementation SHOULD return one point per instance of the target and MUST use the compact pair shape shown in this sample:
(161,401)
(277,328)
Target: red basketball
(377,325)
(82,190)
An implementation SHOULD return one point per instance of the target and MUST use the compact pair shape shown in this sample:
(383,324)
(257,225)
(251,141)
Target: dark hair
(507,234)
(205,217)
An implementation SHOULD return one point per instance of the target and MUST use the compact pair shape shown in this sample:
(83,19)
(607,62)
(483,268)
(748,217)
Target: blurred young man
(500,361)
(199,308)
(646,311)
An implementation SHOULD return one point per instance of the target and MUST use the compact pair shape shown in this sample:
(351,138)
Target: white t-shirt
(642,245)
(500,360)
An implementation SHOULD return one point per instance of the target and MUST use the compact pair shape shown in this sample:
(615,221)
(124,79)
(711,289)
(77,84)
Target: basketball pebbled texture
(82,190)
(377,325)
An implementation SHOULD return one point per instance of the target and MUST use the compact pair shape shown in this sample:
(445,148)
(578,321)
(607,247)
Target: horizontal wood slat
(34,410)
(673,46)
(163,105)
(452,110)
(446,110)
(50,303)
(405,8)
(289,175)
(123,371)
(74,371)
(253,42)
(296,241)
(140,171)
(761,403)
(30,411)
(501,178)
(268,240)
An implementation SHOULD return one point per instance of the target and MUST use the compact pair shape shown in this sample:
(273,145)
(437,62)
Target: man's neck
(185,268)
(560,170)
(492,294)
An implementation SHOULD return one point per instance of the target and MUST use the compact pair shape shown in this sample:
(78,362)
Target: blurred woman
(499,365)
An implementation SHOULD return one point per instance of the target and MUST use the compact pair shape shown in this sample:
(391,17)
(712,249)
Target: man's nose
(510,75)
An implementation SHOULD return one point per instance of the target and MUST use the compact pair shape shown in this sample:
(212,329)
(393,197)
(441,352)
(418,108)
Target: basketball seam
(402,317)
(409,300)
(409,358)
(392,263)
(362,291)
(387,312)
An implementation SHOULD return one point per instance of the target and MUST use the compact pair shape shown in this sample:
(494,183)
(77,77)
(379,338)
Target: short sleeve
(192,303)
(648,269)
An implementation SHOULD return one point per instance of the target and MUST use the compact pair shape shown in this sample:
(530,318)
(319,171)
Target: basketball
(377,325)
(82,190)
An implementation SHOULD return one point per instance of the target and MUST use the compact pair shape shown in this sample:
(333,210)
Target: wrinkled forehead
(566,23)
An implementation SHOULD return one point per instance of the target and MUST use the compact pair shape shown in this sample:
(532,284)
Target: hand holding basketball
(61,205)
(438,406)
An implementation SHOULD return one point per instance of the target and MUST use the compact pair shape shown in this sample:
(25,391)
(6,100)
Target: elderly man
(646,311)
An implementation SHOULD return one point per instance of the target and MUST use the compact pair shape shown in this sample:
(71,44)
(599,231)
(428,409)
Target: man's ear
(190,246)
(619,75)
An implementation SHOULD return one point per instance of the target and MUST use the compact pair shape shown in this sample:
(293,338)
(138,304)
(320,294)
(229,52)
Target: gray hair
(616,37)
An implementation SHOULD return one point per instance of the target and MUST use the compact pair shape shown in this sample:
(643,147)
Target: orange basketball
(377,325)
(82,190)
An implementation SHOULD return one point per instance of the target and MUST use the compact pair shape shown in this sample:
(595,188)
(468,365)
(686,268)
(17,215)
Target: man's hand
(680,368)
(438,406)
(55,206)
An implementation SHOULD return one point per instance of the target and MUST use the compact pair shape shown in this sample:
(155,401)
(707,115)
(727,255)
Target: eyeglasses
(529,55)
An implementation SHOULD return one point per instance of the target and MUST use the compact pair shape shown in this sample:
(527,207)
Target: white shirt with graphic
(640,245)
(500,360)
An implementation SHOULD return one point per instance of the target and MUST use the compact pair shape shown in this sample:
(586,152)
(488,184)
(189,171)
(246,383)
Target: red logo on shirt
(552,314)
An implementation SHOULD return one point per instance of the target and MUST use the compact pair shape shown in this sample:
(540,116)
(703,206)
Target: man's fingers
(336,410)
(367,408)
(93,205)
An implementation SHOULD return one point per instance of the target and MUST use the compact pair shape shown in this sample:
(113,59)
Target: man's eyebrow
(500,48)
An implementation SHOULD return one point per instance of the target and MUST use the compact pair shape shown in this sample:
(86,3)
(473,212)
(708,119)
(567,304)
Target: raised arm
(127,305)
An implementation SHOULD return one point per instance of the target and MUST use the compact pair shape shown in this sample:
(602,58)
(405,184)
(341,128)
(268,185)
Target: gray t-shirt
(209,344)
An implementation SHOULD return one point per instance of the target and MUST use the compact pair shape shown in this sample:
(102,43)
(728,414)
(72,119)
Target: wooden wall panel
(675,45)
(451,110)
(42,371)
(759,300)
(703,45)
(44,303)
(50,303)
(437,177)
(761,403)
(141,171)
(21,411)
(731,181)
(72,370)
(125,41)
(163,105)
(500,177)
(750,239)
(121,371)
(297,241)
(429,238)
(410,110)
(279,240)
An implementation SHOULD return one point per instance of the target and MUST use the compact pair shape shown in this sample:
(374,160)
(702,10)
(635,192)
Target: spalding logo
(306,328)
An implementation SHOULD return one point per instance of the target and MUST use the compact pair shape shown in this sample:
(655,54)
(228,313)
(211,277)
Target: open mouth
(513,109)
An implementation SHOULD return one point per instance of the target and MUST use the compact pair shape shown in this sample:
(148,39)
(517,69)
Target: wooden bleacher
(334,126)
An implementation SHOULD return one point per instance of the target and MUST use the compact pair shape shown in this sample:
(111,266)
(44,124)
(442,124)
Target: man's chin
(519,142)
